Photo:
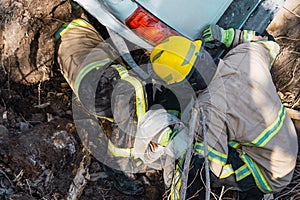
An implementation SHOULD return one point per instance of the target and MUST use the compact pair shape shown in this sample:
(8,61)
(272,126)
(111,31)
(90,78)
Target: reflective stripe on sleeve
(271,46)
(140,109)
(84,71)
(272,130)
(68,26)
(139,90)
(265,136)
(124,153)
(248,35)
(260,180)
(120,152)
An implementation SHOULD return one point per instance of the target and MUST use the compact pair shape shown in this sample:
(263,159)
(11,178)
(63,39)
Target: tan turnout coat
(243,110)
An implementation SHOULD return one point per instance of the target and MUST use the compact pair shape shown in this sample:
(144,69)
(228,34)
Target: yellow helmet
(173,59)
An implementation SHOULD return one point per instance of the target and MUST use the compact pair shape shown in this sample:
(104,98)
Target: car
(147,23)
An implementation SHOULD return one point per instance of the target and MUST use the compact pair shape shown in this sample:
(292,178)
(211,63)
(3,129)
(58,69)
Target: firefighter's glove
(215,35)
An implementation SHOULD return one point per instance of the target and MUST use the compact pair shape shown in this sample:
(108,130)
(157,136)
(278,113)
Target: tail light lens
(149,27)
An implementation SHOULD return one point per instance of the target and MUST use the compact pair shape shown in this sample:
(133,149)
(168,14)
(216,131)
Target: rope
(207,178)
(192,125)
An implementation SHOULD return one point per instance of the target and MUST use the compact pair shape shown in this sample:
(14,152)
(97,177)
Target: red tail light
(149,27)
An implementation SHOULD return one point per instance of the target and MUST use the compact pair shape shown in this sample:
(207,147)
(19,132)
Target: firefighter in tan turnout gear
(252,142)
(110,100)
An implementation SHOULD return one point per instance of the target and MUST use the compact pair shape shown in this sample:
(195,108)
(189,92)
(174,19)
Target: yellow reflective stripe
(189,55)
(272,130)
(106,118)
(139,90)
(177,179)
(175,190)
(213,155)
(68,26)
(247,34)
(269,45)
(156,56)
(233,144)
(120,152)
(226,171)
(242,172)
(84,71)
(123,152)
(260,180)
(139,163)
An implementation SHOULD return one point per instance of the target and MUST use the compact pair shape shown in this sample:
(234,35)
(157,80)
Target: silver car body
(187,17)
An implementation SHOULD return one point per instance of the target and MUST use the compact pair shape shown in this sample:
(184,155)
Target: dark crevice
(23,78)
(97,25)
(34,46)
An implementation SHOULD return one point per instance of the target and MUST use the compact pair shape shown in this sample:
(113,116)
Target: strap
(177,179)
(124,52)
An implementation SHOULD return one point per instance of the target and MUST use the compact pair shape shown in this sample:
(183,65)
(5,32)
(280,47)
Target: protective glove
(244,36)
(215,35)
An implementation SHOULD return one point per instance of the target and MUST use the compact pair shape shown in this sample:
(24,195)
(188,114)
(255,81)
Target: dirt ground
(41,154)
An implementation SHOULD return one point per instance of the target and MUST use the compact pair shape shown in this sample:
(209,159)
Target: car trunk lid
(187,17)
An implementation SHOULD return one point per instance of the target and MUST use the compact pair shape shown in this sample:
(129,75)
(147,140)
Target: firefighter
(252,142)
(95,72)
(110,99)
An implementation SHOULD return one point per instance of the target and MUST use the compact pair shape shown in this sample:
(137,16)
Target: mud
(286,70)
(27,46)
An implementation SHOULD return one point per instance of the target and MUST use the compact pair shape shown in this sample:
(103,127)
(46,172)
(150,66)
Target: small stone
(3,133)
(23,126)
